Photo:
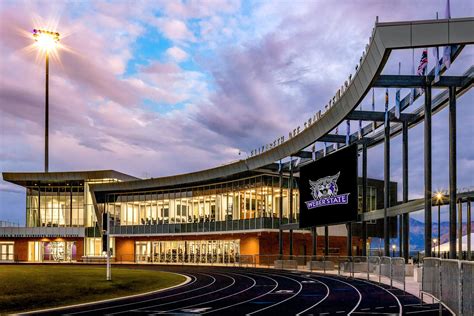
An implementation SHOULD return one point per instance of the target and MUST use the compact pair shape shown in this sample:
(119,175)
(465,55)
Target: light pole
(394,247)
(46,42)
(439,199)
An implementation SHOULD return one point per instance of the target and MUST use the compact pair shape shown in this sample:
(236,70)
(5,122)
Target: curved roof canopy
(385,37)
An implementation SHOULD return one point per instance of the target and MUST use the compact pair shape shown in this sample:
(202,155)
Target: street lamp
(439,199)
(46,42)
(394,247)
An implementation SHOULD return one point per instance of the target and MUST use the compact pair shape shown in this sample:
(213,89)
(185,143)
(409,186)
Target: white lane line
(423,311)
(188,298)
(65,307)
(373,313)
(149,300)
(319,302)
(357,290)
(256,297)
(288,298)
(221,298)
(396,298)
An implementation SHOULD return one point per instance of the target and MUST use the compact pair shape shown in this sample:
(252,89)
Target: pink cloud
(177,54)
(174,29)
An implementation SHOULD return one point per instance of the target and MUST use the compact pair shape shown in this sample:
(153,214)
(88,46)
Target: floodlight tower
(46,42)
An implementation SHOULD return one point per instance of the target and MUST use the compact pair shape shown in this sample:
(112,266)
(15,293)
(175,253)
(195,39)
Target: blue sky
(154,88)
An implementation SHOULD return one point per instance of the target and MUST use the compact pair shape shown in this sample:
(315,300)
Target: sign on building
(328,189)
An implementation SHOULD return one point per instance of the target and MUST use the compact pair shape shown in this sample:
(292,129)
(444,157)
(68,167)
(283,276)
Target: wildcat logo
(324,192)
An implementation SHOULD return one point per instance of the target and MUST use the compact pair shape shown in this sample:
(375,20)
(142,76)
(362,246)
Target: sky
(156,88)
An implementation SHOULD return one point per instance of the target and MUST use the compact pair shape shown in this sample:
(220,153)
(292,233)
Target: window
(6,251)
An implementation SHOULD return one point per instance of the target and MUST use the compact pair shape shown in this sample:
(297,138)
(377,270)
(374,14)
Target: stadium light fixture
(47,42)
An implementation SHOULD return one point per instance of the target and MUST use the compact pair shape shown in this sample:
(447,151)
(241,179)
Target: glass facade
(52,251)
(93,247)
(61,205)
(6,251)
(55,206)
(190,251)
(371,198)
(248,203)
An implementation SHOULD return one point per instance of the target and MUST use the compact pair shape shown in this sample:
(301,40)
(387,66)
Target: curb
(188,279)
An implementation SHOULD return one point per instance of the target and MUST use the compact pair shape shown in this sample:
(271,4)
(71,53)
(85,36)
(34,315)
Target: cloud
(119,98)
(174,29)
(177,54)
(200,8)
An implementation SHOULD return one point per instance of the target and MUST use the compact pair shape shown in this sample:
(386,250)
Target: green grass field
(30,287)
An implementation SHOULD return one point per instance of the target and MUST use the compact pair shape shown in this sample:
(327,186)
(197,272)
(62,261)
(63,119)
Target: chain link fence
(450,282)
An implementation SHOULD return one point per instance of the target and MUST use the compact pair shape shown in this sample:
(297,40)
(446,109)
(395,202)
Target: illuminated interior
(191,251)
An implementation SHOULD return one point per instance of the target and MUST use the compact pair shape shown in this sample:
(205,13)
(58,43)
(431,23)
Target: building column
(326,240)
(468,219)
(452,173)
(460,229)
(290,198)
(386,200)
(315,242)
(280,217)
(427,168)
(406,216)
(349,239)
(364,197)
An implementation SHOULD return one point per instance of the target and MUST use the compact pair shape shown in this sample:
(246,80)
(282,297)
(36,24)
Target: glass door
(143,251)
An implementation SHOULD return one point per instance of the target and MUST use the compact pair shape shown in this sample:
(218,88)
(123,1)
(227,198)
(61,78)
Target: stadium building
(161,220)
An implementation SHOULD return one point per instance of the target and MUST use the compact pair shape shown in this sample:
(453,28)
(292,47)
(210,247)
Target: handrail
(438,300)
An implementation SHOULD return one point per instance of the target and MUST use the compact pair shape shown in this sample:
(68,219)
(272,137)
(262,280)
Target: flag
(436,71)
(422,66)
(297,162)
(447,57)
(386,107)
(447,49)
(279,166)
(397,96)
(423,63)
(360,124)
(348,131)
(397,104)
(313,153)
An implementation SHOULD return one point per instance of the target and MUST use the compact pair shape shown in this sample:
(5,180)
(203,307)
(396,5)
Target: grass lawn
(30,287)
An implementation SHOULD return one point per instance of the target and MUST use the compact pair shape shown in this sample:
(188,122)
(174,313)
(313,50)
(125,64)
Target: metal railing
(389,270)
(450,282)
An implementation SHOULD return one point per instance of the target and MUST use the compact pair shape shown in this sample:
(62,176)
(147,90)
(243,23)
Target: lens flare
(46,41)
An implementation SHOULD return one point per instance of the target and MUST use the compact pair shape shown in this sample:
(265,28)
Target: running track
(246,291)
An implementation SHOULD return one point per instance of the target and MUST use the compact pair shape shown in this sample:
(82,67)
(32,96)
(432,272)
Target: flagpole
(398,109)
(412,98)
(373,108)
